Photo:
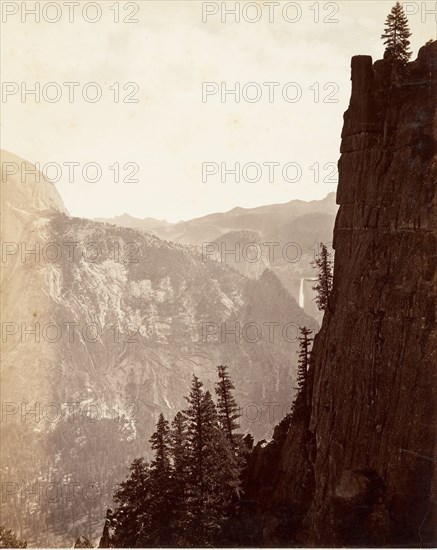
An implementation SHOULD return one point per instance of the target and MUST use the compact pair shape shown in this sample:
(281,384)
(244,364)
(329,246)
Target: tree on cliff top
(396,35)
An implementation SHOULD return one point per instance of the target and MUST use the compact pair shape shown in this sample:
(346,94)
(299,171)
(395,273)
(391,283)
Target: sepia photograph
(218,274)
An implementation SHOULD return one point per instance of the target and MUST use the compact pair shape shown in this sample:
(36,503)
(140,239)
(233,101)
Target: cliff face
(369,443)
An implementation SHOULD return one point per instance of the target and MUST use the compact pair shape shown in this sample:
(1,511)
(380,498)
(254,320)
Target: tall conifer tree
(133,503)
(323,287)
(213,474)
(227,408)
(396,34)
(300,405)
(161,487)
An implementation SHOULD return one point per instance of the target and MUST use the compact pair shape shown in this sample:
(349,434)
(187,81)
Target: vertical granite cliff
(360,470)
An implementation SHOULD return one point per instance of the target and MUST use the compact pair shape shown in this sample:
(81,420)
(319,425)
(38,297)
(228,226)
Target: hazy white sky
(170,132)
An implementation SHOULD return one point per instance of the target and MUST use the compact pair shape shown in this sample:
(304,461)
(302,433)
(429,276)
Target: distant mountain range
(289,220)
(304,223)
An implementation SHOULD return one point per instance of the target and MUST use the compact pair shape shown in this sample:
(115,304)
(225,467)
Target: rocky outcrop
(82,542)
(371,435)
(107,538)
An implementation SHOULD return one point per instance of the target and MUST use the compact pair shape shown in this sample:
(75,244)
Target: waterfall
(301,298)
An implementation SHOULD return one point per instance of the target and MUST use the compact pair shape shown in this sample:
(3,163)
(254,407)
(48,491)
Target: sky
(171,153)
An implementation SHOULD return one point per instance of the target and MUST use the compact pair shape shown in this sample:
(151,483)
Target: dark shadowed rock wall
(361,471)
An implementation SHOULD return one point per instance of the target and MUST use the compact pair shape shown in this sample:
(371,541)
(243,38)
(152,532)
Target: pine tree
(195,419)
(227,408)
(160,443)
(132,498)
(300,405)
(161,514)
(179,450)
(223,474)
(145,500)
(188,493)
(178,436)
(195,486)
(324,263)
(212,473)
(396,35)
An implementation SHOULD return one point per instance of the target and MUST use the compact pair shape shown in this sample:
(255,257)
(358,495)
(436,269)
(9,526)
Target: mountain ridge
(266,220)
